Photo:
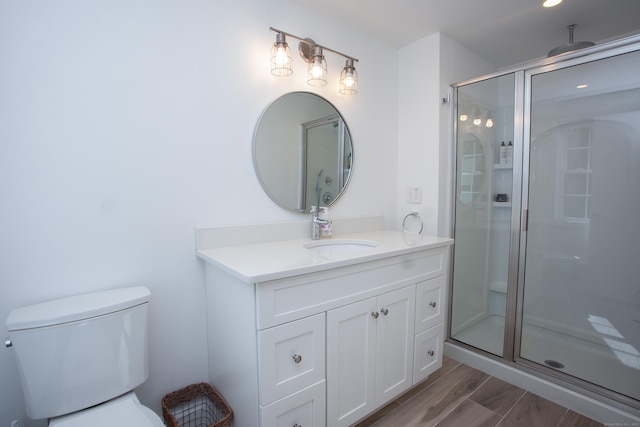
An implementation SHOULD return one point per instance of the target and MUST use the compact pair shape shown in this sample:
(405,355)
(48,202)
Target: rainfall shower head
(571,46)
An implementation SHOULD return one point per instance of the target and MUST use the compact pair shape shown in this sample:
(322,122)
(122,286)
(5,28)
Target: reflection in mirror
(471,168)
(302,152)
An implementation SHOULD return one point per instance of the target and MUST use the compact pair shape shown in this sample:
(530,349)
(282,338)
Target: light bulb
(281,56)
(551,3)
(463,117)
(316,70)
(489,123)
(477,121)
(348,80)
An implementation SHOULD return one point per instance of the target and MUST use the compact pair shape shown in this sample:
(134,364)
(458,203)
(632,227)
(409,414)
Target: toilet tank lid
(78,307)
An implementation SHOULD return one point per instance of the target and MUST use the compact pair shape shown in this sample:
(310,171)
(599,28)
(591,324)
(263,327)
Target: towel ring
(417,216)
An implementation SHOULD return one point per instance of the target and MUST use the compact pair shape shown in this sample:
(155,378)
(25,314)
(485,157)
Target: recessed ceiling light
(551,3)
(582,86)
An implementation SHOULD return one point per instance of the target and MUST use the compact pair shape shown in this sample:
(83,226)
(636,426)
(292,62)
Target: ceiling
(505,32)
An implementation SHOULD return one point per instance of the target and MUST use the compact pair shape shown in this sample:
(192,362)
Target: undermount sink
(341,244)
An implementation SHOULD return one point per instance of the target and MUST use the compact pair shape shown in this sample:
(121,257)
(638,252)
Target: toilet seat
(125,411)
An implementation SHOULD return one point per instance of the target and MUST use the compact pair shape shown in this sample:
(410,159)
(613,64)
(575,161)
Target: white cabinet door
(351,342)
(370,354)
(395,340)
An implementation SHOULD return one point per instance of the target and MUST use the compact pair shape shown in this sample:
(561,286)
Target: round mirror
(302,152)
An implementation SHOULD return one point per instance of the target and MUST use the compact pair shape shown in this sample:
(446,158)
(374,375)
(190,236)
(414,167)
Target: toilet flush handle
(8,343)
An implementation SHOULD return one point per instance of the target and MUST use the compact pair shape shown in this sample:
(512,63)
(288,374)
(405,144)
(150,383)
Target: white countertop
(255,263)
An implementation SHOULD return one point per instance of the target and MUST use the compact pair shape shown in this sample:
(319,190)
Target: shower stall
(546,263)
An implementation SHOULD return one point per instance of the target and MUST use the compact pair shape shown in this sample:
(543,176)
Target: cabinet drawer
(291,357)
(305,408)
(428,353)
(430,303)
(284,300)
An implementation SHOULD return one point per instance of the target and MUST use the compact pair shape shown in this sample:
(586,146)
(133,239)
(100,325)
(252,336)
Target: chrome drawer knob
(375,314)
(432,304)
(297,358)
(431,353)
(384,311)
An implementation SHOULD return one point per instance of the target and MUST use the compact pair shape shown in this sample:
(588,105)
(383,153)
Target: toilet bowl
(80,358)
(123,411)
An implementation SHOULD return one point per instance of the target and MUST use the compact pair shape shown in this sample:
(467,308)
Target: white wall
(427,69)
(124,125)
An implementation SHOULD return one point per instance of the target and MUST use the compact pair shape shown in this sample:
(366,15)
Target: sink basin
(342,245)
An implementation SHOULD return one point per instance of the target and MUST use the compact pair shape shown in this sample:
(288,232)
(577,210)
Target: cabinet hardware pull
(384,311)
(433,304)
(297,425)
(8,343)
(297,358)
(431,353)
(374,314)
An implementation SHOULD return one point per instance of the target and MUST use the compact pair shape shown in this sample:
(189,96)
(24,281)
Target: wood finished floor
(460,396)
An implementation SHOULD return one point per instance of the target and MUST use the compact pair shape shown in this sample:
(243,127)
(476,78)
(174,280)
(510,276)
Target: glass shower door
(581,302)
(483,210)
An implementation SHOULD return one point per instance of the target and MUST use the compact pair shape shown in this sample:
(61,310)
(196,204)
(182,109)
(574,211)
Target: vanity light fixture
(349,79)
(281,57)
(477,120)
(463,117)
(313,54)
(489,122)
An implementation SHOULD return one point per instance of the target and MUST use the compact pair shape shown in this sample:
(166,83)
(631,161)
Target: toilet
(81,357)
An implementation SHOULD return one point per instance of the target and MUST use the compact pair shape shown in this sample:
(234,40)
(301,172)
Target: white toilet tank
(80,351)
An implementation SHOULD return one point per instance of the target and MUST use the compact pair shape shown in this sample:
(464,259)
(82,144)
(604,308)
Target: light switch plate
(414,194)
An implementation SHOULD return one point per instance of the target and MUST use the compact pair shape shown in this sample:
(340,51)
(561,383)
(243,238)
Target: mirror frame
(301,169)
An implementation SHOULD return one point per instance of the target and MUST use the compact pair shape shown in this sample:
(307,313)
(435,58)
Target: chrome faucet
(315,223)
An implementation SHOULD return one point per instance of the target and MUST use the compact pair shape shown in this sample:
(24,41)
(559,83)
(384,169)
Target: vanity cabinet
(370,357)
(327,347)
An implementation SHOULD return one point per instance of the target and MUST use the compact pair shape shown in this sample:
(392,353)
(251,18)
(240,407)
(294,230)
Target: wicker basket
(197,405)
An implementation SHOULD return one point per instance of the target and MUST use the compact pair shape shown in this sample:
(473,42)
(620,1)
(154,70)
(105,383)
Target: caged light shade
(349,79)
(313,54)
(317,71)
(281,57)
